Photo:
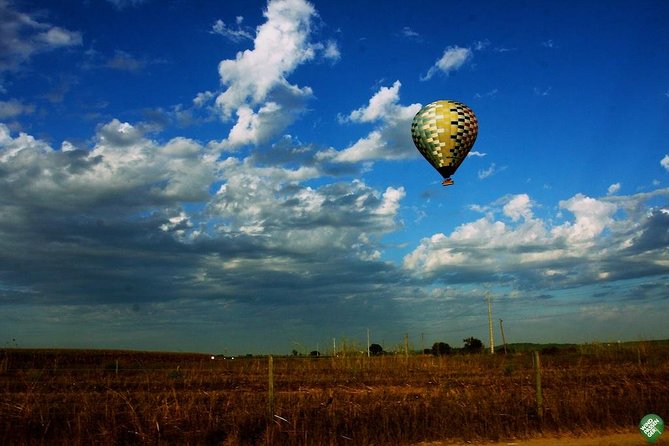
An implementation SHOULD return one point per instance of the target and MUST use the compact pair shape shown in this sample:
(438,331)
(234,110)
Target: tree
(441,348)
(375,350)
(473,345)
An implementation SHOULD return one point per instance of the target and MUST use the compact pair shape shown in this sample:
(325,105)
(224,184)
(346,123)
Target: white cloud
(613,189)
(485,173)
(381,106)
(489,94)
(331,51)
(203,98)
(597,243)
(123,61)
(391,201)
(258,127)
(59,37)
(454,57)
(518,206)
(542,91)
(389,140)
(262,233)
(664,162)
(268,203)
(235,35)
(118,134)
(123,170)
(592,216)
(410,33)
(13,108)
(480,45)
(256,89)
(281,45)
(122,4)
(501,49)
(22,144)
(23,36)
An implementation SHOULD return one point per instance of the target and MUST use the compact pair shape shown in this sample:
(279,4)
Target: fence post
(501,328)
(269,432)
(540,399)
(270,389)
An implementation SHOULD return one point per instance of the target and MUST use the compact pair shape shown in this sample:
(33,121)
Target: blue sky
(240,177)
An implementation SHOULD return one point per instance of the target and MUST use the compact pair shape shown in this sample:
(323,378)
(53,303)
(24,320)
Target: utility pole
(368,353)
(492,340)
(406,345)
(501,327)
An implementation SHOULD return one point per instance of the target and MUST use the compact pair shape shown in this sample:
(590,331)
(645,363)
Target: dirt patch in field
(627,439)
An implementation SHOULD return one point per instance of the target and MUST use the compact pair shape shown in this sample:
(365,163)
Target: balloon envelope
(444,132)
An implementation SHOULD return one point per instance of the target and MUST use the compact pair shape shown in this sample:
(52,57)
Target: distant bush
(375,350)
(472,345)
(440,349)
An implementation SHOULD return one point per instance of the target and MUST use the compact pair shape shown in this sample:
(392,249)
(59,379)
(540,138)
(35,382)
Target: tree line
(471,345)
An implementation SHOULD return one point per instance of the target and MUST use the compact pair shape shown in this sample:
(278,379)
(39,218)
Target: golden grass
(78,398)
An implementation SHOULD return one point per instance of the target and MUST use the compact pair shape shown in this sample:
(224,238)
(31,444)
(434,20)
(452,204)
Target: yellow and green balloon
(444,132)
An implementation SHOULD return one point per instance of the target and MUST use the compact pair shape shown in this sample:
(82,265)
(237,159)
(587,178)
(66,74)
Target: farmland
(79,397)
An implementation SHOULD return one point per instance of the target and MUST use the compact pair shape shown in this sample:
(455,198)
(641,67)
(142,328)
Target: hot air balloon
(444,132)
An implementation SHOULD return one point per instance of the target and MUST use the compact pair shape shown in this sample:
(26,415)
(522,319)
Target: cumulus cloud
(257,90)
(21,36)
(604,239)
(518,206)
(664,162)
(381,106)
(331,50)
(258,127)
(130,207)
(454,58)
(591,217)
(389,139)
(145,223)
(281,44)
(123,170)
(202,98)
(337,219)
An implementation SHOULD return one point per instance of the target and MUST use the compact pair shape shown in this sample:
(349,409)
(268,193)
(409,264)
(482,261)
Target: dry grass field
(58,397)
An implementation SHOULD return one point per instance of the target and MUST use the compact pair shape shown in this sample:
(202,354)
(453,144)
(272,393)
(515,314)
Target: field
(117,397)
